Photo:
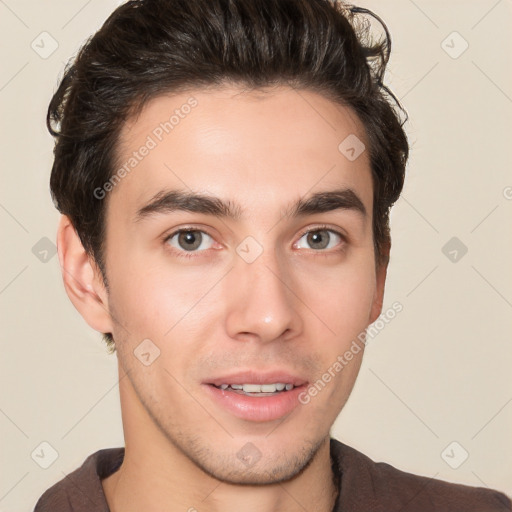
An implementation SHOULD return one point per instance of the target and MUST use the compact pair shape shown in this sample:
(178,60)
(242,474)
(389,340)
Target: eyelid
(187,255)
(175,231)
(323,227)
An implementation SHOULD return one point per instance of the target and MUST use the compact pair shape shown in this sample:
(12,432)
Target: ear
(380,274)
(82,278)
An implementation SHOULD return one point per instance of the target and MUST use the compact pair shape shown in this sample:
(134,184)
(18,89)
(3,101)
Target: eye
(321,238)
(189,240)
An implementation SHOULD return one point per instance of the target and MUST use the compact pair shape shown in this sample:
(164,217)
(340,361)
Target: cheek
(342,297)
(153,298)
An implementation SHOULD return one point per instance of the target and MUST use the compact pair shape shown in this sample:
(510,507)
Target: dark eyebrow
(167,201)
(320,202)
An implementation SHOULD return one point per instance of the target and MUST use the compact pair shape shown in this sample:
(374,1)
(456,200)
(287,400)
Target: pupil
(191,239)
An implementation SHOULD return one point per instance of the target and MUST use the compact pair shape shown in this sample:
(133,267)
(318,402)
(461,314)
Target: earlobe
(82,279)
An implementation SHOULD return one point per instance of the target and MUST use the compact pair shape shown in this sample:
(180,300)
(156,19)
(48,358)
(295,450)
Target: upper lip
(257,377)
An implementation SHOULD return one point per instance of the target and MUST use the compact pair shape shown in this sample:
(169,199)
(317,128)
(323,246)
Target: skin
(296,307)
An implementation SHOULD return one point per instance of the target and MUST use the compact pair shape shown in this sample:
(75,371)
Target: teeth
(252,388)
(259,388)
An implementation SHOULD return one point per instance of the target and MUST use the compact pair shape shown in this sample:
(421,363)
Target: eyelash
(193,254)
(184,254)
(329,252)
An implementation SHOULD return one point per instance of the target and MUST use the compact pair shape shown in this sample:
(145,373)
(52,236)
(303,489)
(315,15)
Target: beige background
(438,373)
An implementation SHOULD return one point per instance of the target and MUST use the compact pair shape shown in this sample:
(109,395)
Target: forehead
(264,148)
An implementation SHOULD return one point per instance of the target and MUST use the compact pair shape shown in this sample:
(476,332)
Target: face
(253,290)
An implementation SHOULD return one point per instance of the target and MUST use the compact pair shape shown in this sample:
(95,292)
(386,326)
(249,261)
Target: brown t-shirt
(364,486)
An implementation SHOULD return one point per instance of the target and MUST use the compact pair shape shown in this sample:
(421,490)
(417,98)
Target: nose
(262,304)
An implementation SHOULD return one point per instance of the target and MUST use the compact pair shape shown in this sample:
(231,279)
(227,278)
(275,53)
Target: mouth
(256,396)
(257,389)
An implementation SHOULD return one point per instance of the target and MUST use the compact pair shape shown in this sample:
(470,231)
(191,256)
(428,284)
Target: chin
(264,475)
(248,466)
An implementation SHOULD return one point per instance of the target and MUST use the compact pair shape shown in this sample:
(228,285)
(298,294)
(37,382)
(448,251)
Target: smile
(257,389)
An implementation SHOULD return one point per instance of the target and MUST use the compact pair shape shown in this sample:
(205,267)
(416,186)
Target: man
(225,171)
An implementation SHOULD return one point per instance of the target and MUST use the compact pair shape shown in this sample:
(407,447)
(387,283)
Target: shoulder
(381,486)
(81,490)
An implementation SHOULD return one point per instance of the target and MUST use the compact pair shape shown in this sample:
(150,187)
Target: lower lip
(256,408)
